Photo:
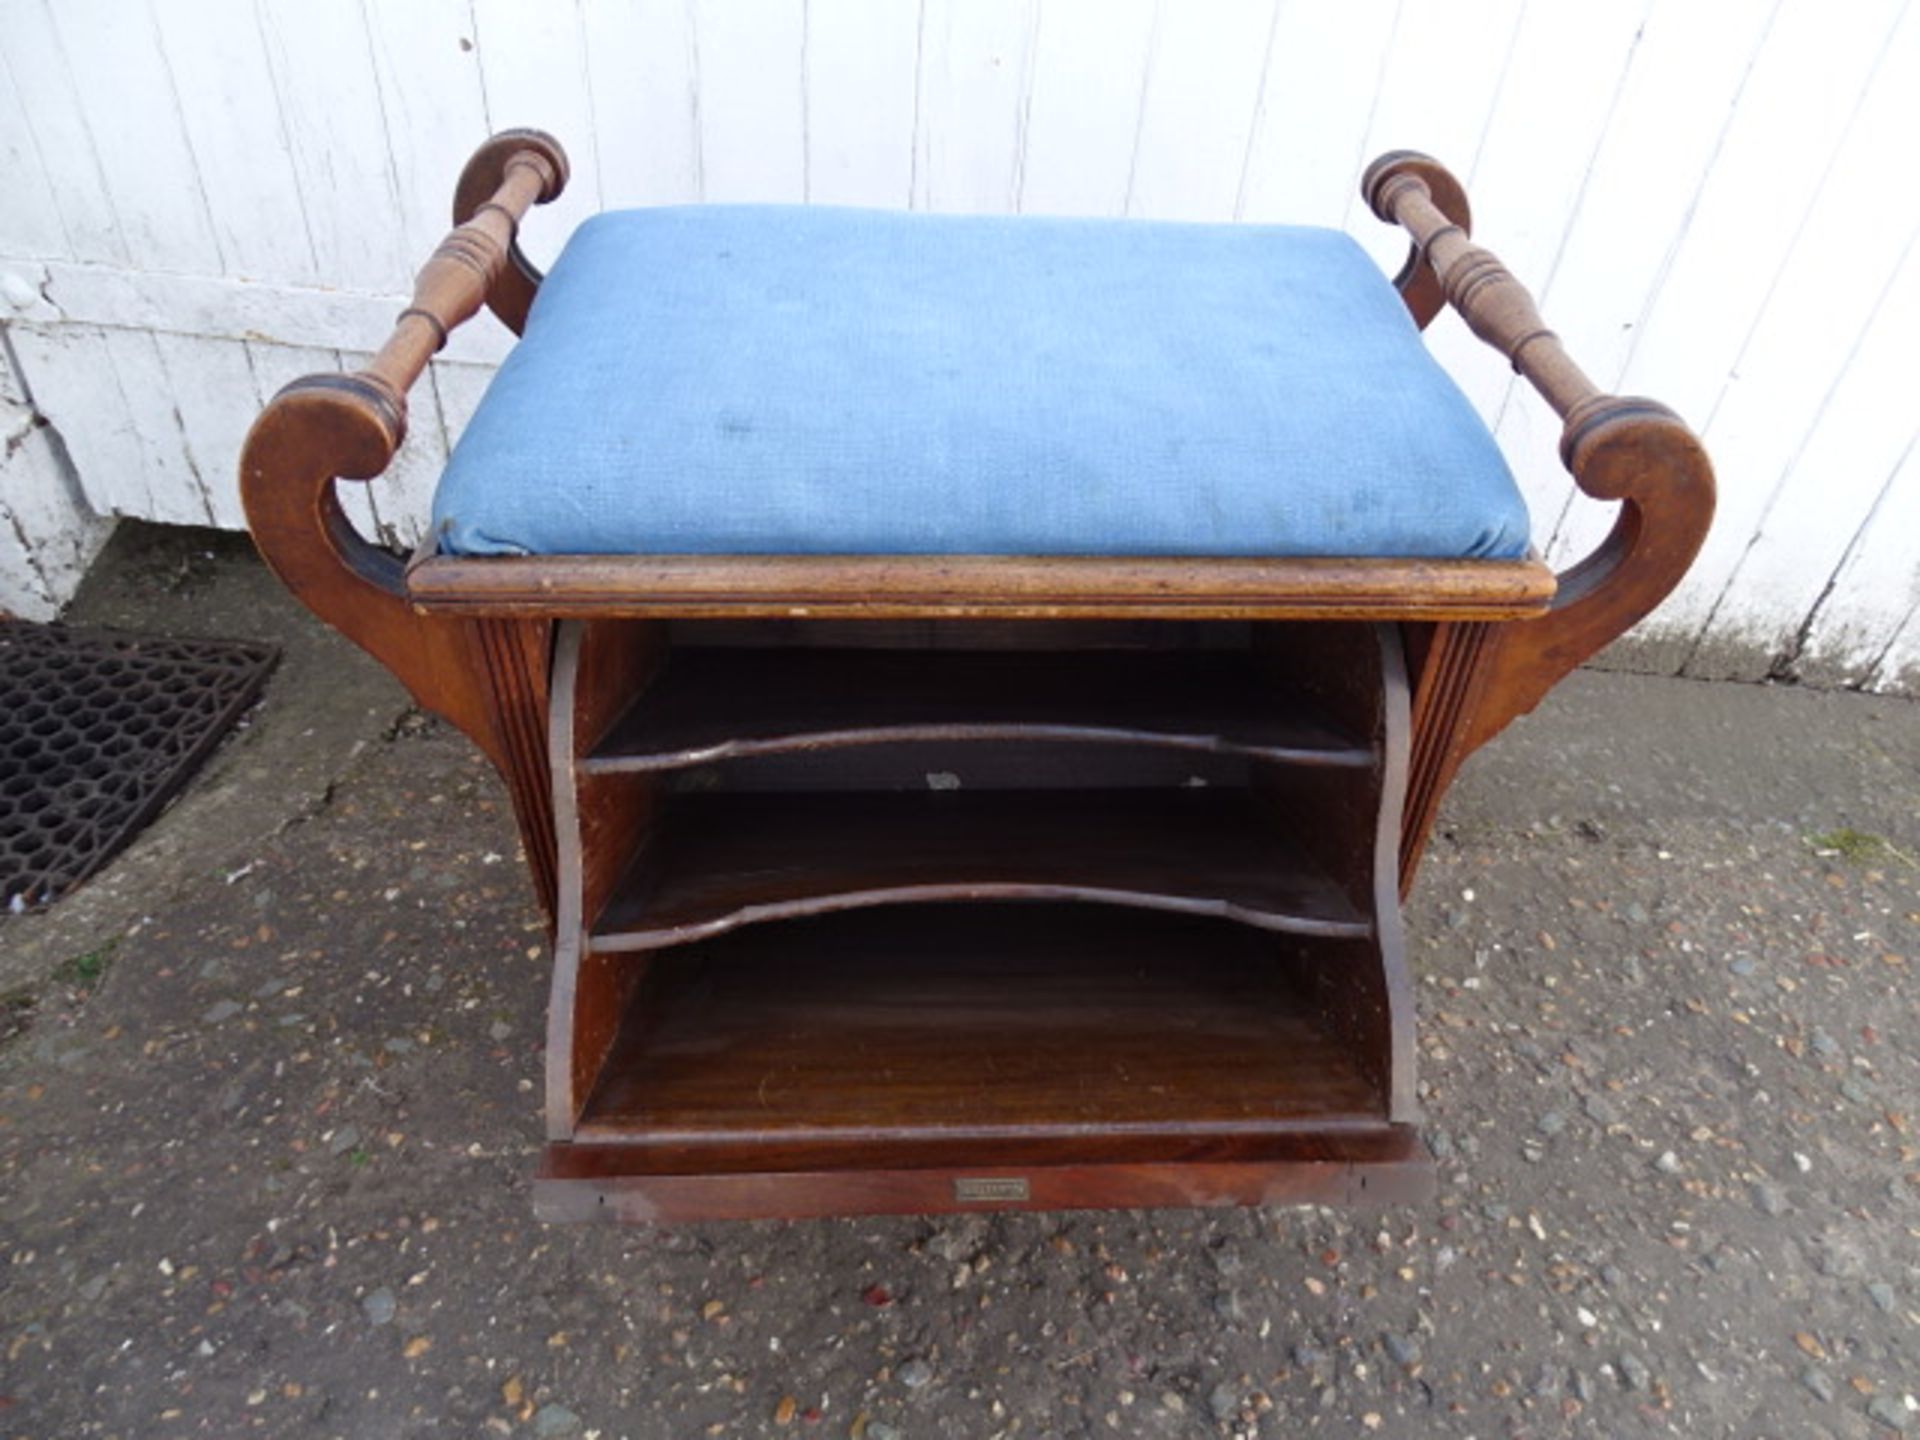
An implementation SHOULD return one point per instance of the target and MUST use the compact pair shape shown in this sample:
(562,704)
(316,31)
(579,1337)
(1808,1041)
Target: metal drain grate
(98,729)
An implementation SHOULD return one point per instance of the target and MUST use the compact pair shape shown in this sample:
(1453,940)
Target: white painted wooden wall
(1712,198)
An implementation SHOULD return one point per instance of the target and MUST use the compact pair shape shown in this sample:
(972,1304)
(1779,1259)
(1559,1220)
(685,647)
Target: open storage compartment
(870,916)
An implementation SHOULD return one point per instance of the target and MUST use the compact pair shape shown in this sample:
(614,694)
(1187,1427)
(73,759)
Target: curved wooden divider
(702,708)
(731,860)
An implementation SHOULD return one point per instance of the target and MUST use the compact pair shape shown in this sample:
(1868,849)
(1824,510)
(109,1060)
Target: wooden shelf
(895,916)
(731,702)
(1070,1032)
(720,861)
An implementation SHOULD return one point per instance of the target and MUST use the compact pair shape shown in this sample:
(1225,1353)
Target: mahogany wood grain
(988,1022)
(1006,586)
(591,1183)
(1453,679)
(848,1149)
(1066,1056)
(619,664)
(516,656)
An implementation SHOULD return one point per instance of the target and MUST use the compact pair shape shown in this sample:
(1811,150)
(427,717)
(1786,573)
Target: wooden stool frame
(536,659)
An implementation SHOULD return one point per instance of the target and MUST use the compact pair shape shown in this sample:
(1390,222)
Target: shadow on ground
(265,1138)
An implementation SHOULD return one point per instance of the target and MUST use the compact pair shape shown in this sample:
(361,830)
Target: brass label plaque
(973,1190)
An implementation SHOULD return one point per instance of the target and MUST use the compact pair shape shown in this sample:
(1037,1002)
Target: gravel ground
(265,1147)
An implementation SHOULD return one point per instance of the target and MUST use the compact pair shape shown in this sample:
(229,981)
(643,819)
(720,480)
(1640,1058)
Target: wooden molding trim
(1005,586)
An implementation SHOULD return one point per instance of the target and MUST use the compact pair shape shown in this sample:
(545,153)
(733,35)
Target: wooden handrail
(1476,679)
(323,428)
(1400,188)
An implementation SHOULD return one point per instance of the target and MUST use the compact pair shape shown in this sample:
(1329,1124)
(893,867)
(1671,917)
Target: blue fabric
(765,380)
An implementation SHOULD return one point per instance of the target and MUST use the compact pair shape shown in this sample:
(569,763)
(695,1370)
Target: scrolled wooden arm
(487,676)
(348,427)
(317,430)
(1472,679)
(1618,448)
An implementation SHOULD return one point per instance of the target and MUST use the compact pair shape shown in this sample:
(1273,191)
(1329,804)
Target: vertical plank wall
(209,197)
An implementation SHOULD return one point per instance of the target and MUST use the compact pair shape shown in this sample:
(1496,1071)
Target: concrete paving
(270,1108)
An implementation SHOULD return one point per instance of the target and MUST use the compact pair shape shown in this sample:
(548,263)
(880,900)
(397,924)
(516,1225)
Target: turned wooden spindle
(467,267)
(1494,305)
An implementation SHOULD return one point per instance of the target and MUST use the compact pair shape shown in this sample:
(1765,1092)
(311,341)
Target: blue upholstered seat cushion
(768,380)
